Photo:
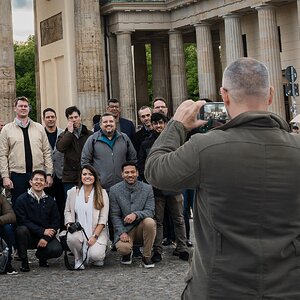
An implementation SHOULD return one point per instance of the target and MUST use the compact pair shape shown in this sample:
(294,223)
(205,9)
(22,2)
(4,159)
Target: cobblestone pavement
(113,281)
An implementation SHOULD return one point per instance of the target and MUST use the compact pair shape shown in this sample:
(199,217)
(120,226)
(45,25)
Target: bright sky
(23,20)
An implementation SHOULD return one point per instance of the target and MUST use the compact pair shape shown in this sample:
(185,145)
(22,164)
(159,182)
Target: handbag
(3,256)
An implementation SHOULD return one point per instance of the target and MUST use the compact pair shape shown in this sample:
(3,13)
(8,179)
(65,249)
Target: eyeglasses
(114,106)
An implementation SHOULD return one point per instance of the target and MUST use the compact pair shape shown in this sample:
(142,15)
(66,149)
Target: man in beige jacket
(24,147)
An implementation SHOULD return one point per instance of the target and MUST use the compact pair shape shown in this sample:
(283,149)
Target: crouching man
(132,211)
(38,221)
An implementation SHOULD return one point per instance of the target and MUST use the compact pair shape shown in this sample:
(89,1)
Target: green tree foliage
(190,52)
(25,72)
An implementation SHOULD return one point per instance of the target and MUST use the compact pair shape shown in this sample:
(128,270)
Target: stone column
(7,63)
(113,64)
(233,37)
(206,68)
(177,68)
(38,103)
(168,77)
(141,75)
(270,54)
(159,78)
(126,83)
(89,59)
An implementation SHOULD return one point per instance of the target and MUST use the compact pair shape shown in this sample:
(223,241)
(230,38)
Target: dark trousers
(188,201)
(7,234)
(21,184)
(68,186)
(57,192)
(175,205)
(26,240)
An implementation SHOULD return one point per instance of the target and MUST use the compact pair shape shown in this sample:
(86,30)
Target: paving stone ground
(113,281)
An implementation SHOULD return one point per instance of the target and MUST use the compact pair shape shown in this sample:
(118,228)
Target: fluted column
(233,38)
(126,83)
(177,68)
(7,64)
(159,78)
(89,59)
(141,75)
(113,63)
(270,54)
(206,68)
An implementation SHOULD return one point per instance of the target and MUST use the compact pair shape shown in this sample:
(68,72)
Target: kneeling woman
(88,204)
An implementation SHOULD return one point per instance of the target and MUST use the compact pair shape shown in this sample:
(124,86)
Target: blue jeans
(7,234)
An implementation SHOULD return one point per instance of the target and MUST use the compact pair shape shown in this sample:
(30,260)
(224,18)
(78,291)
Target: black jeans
(26,240)
(21,184)
(57,192)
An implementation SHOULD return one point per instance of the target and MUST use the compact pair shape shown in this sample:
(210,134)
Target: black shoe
(189,243)
(43,263)
(25,266)
(184,255)
(10,270)
(137,252)
(147,262)
(176,252)
(113,248)
(127,259)
(166,242)
(156,257)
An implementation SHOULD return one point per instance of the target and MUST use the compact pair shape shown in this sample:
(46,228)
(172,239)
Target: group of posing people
(58,178)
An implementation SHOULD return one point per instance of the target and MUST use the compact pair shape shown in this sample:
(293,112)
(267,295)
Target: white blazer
(99,216)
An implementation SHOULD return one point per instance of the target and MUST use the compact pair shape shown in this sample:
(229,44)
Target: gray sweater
(126,199)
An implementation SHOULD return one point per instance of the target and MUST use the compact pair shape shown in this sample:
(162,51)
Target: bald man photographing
(247,205)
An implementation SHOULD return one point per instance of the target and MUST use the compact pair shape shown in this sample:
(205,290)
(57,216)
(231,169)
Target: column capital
(264,6)
(231,16)
(120,32)
(174,31)
(202,24)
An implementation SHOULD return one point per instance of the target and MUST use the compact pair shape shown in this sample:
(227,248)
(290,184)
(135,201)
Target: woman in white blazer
(88,204)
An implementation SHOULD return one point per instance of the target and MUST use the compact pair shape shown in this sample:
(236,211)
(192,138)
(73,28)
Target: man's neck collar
(51,129)
(23,121)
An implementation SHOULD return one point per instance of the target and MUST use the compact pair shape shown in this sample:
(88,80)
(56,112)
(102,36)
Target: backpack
(3,256)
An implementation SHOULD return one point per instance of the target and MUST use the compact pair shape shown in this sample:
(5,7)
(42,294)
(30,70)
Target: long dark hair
(98,196)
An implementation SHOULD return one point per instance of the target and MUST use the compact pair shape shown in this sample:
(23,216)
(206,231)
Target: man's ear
(270,100)
(224,94)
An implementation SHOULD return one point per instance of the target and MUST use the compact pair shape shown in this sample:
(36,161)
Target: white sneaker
(98,263)
(79,265)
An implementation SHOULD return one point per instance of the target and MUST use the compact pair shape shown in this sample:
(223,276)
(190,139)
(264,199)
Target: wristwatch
(95,236)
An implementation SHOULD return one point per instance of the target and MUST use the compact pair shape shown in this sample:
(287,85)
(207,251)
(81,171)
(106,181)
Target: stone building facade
(91,50)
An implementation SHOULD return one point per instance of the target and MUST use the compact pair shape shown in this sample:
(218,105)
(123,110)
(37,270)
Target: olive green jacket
(247,206)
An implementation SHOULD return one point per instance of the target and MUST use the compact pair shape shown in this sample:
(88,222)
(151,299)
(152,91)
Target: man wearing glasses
(123,125)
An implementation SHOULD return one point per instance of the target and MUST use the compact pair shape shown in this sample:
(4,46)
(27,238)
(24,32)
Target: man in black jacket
(38,221)
(164,199)
(71,142)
